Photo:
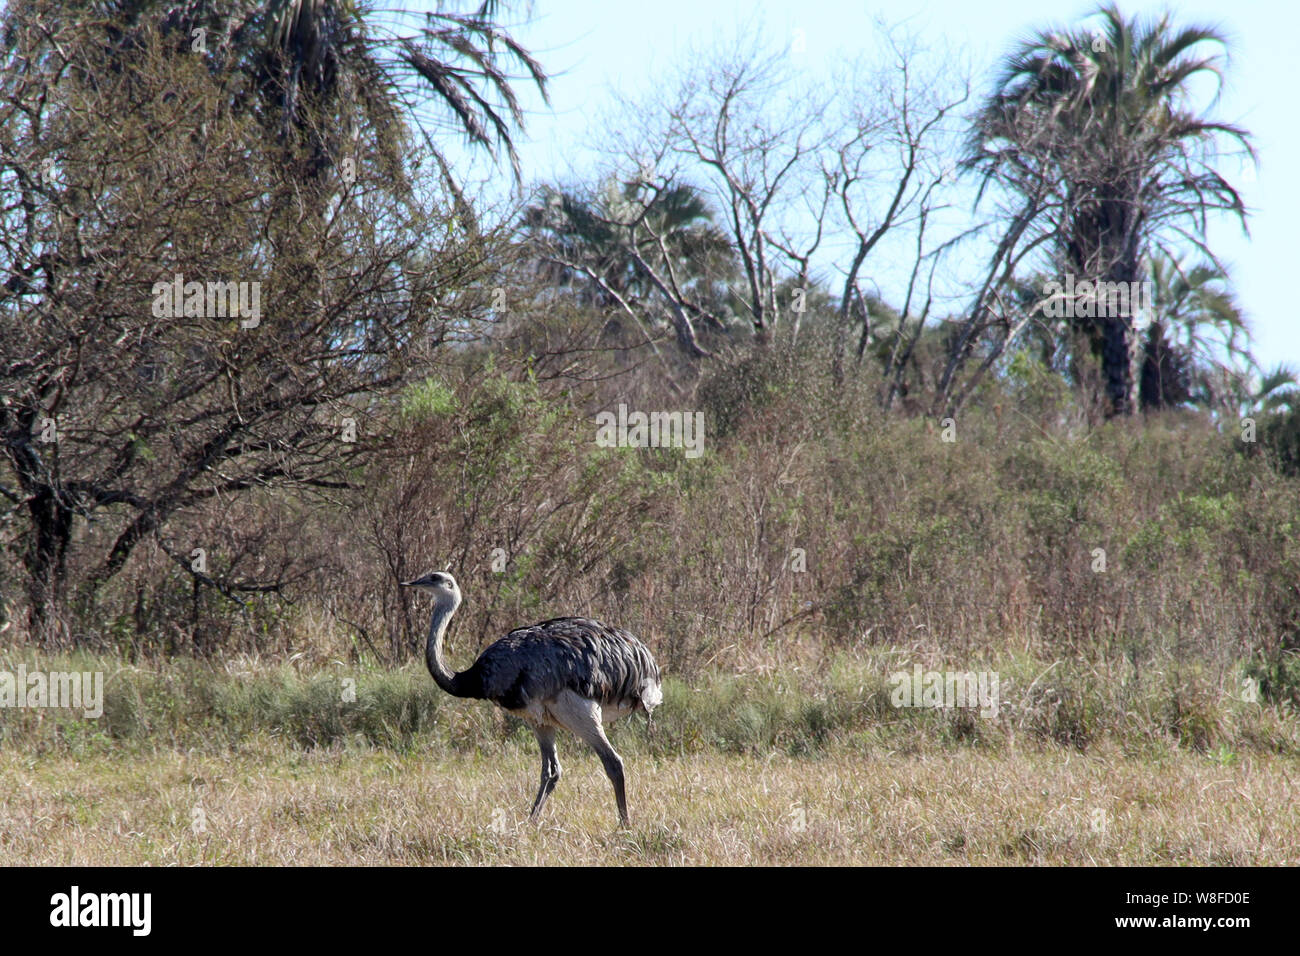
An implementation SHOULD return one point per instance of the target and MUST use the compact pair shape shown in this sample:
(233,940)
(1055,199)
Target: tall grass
(844,705)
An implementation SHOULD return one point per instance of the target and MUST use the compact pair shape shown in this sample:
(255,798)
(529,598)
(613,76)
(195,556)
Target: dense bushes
(815,522)
(1141,561)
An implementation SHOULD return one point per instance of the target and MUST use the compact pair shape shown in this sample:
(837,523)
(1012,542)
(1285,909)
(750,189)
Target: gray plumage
(568,672)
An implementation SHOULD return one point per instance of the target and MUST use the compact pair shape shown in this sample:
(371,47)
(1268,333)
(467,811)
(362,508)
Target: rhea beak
(407,584)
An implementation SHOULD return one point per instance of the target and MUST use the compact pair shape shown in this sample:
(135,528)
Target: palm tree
(317,69)
(1198,329)
(1277,390)
(635,243)
(1197,333)
(1101,118)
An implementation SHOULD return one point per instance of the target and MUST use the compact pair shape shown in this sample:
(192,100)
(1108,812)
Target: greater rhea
(568,672)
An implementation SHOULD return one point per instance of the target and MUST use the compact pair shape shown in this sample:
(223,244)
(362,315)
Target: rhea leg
(583,718)
(614,770)
(550,768)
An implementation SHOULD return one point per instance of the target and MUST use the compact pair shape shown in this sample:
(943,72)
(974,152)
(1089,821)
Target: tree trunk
(46,559)
(1116,363)
(1164,381)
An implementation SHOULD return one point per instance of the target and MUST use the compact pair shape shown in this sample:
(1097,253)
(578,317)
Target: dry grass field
(260,764)
(267,803)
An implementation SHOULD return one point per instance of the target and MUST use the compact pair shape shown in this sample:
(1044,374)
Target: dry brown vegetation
(270,805)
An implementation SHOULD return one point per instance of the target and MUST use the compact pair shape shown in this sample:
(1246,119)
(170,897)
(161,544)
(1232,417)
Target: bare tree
(807,182)
(998,312)
(744,126)
(177,329)
(887,174)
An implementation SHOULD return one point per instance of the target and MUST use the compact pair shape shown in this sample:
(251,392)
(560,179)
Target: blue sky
(590,47)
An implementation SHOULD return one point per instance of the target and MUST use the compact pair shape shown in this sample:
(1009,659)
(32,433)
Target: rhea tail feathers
(652,695)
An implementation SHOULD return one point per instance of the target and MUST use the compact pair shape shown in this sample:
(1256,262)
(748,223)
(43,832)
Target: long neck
(443,609)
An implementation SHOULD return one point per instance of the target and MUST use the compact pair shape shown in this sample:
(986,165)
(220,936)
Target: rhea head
(438,583)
